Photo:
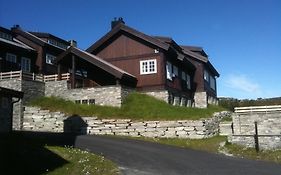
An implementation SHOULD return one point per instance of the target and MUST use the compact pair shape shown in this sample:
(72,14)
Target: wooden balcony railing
(55,77)
(20,75)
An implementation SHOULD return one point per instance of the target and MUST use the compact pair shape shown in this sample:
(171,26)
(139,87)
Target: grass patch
(82,162)
(136,106)
(226,119)
(250,153)
(209,144)
(25,155)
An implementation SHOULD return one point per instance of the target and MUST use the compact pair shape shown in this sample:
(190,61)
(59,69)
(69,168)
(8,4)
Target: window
(188,82)
(85,101)
(11,57)
(56,43)
(175,71)
(206,75)
(169,70)
(183,76)
(25,64)
(6,36)
(148,66)
(213,82)
(50,58)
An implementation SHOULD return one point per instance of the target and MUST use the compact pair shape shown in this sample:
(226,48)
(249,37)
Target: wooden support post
(59,72)
(117,82)
(256,137)
(73,72)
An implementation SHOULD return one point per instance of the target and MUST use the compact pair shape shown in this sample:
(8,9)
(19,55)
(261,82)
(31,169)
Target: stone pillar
(176,101)
(201,99)
(183,102)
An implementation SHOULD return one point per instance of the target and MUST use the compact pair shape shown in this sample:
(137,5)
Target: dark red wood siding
(124,46)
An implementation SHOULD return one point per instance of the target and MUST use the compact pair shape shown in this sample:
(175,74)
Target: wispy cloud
(243,83)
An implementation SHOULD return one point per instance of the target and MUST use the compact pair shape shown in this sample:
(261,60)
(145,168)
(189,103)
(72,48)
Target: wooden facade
(91,70)
(44,44)
(12,53)
(126,48)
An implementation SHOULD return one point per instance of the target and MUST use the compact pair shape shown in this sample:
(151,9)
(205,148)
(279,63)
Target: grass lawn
(23,155)
(136,106)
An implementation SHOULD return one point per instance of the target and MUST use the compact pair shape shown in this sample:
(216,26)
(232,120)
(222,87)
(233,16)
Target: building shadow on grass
(23,152)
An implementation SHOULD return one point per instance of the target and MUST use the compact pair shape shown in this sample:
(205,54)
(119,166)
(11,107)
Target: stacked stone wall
(269,129)
(42,120)
(32,89)
(105,95)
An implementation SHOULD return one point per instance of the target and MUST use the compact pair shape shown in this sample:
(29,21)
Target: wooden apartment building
(178,74)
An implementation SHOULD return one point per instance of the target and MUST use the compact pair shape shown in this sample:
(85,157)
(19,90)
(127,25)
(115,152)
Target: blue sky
(241,37)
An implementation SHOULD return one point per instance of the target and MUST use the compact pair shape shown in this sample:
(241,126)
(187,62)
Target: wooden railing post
(256,137)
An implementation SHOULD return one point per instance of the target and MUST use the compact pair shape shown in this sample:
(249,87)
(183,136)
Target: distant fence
(257,126)
(258,109)
(32,76)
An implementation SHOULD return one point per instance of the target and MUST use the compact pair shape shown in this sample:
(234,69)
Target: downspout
(12,110)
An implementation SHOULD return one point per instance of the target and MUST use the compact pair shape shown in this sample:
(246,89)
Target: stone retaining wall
(225,128)
(105,95)
(265,141)
(269,129)
(43,120)
(31,89)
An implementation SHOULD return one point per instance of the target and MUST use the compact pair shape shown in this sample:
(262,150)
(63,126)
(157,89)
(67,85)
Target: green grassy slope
(136,106)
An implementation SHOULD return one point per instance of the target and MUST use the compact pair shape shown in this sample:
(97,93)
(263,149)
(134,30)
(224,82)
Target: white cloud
(243,83)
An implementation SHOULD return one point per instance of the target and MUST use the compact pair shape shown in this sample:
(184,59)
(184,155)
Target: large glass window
(175,71)
(148,66)
(25,64)
(169,70)
(212,82)
(11,57)
(206,76)
(6,36)
(188,82)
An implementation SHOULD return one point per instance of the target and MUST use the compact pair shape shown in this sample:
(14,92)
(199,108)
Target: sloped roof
(194,54)
(186,50)
(11,92)
(16,43)
(48,35)
(122,27)
(34,38)
(94,60)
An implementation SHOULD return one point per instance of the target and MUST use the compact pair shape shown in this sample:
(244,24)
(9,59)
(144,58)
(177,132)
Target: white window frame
(11,57)
(148,66)
(169,70)
(50,58)
(25,64)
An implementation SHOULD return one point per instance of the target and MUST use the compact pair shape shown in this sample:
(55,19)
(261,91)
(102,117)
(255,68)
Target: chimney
(116,21)
(16,26)
(73,43)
